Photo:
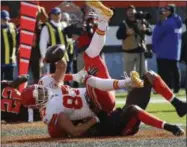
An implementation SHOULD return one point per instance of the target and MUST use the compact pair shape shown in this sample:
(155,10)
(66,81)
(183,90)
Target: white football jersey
(49,82)
(71,101)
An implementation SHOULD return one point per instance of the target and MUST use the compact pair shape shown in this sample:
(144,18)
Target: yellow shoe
(135,77)
(96,4)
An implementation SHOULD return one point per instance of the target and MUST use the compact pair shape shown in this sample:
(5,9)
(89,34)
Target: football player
(92,54)
(106,99)
(60,110)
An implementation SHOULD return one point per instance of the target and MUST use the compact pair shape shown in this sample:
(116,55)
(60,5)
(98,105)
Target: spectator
(184,50)
(132,33)
(167,47)
(70,47)
(8,46)
(35,52)
(52,34)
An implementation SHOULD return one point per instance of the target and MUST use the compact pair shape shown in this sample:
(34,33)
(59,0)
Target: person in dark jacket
(167,47)
(132,32)
(184,50)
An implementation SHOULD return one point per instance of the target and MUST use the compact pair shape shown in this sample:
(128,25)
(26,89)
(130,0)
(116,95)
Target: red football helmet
(35,96)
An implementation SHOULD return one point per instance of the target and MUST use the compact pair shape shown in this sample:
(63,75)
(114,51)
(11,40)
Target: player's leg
(161,88)
(98,40)
(141,96)
(113,84)
(138,114)
(54,129)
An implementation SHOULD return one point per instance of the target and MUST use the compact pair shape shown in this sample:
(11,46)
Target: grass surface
(164,111)
(181,94)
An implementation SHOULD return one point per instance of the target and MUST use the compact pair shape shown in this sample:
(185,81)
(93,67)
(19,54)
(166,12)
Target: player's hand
(13,59)
(143,27)
(42,61)
(79,77)
(92,70)
(19,80)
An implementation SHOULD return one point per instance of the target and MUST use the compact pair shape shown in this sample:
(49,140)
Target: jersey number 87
(72,102)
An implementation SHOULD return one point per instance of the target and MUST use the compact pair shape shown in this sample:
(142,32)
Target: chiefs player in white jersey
(59,110)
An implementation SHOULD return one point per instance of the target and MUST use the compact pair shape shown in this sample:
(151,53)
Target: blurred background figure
(184,51)
(68,29)
(89,25)
(167,47)
(8,46)
(66,19)
(132,32)
(162,17)
(35,52)
(52,34)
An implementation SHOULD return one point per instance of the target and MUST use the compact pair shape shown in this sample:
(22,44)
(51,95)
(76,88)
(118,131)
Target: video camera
(143,15)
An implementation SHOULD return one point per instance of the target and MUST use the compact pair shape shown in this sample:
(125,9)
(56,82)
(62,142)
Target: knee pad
(151,75)
(132,109)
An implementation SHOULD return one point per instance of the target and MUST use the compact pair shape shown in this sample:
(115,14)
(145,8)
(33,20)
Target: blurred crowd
(168,42)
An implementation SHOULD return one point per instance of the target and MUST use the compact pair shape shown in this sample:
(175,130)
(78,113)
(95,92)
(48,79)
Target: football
(54,53)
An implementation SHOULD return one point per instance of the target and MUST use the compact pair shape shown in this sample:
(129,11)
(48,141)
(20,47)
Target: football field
(35,134)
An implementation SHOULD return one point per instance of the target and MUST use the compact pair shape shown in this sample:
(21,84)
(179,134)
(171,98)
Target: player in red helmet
(35,96)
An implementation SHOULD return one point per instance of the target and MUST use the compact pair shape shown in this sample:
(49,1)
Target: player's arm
(66,124)
(78,77)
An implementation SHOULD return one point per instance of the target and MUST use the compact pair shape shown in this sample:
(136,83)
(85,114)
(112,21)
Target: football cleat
(180,106)
(177,131)
(135,77)
(99,8)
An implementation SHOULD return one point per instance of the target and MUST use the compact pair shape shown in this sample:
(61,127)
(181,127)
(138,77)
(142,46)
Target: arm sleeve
(44,39)
(121,32)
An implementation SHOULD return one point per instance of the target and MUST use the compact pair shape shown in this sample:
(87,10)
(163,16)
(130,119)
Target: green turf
(164,111)
(181,94)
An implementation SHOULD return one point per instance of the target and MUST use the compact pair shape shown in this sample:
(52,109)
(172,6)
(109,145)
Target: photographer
(132,32)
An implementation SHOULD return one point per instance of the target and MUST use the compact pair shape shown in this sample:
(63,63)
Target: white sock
(30,115)
(106,84)
(103,25)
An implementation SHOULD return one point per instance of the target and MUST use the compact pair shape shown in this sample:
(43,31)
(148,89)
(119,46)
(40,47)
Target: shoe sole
(98,5)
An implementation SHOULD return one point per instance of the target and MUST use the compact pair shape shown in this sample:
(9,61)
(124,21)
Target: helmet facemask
(41,95)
